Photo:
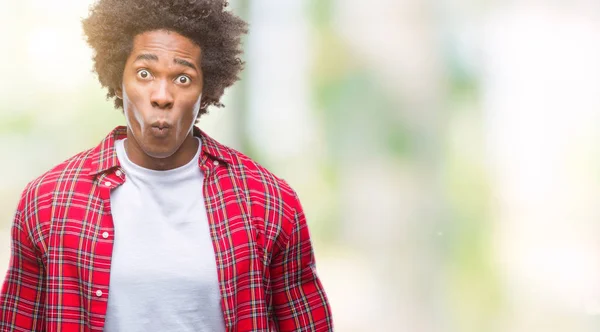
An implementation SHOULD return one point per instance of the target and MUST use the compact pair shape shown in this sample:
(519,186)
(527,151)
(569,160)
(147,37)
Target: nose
(161,96)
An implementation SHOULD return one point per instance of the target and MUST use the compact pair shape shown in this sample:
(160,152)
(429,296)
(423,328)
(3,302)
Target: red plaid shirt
(62,241)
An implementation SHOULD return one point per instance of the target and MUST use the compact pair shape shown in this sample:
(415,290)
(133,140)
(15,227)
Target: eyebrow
(185,63)
(146,56)
(153,57)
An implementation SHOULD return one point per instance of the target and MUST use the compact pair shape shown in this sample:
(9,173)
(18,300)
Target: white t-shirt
(163,272)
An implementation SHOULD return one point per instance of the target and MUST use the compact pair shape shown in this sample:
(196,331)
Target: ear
(119,93)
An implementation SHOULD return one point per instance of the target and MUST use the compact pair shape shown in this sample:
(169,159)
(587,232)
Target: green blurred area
(362,121)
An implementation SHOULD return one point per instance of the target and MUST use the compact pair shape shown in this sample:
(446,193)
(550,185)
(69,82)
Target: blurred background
(446,152)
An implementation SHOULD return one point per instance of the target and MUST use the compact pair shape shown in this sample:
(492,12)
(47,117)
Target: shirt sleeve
(22,297)
(299,300)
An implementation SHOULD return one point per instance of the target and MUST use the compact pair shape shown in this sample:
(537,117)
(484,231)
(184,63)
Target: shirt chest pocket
(73,242)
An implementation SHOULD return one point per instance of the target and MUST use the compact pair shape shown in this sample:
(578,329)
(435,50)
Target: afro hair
(112,25)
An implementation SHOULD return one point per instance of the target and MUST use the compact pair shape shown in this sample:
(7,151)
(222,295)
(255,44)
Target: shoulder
(261,185)
(74,175)
(262,182)
(38,193)
(274,207)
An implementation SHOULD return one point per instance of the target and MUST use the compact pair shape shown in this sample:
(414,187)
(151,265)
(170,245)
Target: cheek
(132,115)
(197,106)
(191,108)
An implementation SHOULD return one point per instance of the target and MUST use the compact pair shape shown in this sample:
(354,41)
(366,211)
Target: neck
(182,156)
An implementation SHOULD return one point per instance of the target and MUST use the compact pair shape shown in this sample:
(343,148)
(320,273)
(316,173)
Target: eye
(183,79)
(143,74)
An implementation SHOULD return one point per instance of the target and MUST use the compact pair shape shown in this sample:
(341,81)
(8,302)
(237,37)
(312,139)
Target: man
(160,227)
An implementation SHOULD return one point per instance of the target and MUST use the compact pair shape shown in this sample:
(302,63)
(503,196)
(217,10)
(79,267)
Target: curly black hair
(112,25)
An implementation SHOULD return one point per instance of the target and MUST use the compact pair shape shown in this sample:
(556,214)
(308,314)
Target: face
(161,93)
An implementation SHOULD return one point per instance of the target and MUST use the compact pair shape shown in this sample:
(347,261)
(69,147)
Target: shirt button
(105,235)
(118,173)
(216,163)
(98,293)
(107,183)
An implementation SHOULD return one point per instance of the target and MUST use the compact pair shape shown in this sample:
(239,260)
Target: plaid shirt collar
(104,156)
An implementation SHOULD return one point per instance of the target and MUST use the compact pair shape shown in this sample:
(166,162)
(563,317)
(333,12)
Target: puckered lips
(160,129)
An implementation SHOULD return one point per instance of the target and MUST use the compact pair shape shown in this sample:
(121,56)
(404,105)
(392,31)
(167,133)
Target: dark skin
(161,93)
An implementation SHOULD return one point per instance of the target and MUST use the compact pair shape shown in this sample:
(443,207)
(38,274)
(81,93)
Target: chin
(158,152)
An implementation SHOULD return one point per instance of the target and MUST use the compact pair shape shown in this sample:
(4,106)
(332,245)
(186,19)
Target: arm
(299,301)
(22,297)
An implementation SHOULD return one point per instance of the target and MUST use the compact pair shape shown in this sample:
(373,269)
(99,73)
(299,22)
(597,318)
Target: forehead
(164,43)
